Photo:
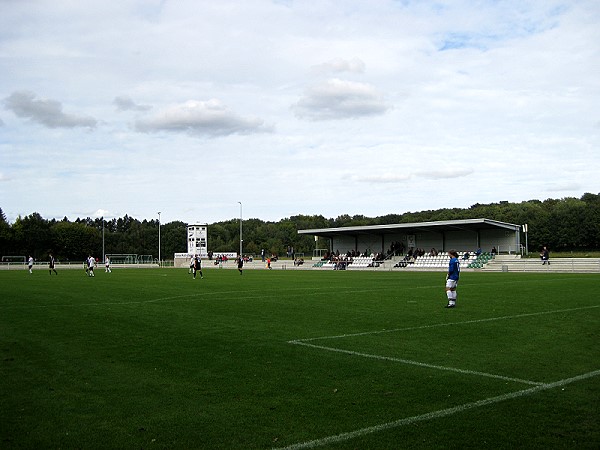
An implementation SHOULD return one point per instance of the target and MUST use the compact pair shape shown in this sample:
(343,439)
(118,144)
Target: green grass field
(150,358)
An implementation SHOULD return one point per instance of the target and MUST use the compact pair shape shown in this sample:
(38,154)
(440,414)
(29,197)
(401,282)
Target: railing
(40,265)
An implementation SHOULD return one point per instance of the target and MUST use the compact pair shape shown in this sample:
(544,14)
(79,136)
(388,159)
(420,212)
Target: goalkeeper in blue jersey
(452,278)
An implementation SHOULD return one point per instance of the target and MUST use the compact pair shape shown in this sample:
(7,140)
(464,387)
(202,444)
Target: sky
(210,110)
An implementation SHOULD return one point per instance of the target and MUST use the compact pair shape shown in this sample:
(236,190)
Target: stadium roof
(440,226)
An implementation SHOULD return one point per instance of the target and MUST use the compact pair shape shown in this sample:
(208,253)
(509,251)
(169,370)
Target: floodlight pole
(159,238)
(241,240)
(103,257)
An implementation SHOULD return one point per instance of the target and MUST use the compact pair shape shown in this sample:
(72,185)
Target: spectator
(51,264)
(545,256)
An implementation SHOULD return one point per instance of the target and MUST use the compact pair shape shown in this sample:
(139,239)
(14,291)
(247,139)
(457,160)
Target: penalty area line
(417,363)
(342,437)
(445,324)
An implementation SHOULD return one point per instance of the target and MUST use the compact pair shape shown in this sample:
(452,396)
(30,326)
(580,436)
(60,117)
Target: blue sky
(294,107)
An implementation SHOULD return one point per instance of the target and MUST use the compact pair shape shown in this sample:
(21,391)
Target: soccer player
(197,266)
(51,264)
(240,264)
(452,278)
(91,263)
(107,265)
(30,264)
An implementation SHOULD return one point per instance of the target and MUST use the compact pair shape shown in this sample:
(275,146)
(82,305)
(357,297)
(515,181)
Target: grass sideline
(298,359)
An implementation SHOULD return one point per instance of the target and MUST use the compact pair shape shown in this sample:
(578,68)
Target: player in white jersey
(91,263)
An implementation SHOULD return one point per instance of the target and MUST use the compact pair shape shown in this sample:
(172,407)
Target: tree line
(561,224)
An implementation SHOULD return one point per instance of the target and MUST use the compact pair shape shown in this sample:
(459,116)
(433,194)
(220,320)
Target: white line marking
(441,413)
(436,414)
(259,295)
(78,305)
(417,363)
(445,324)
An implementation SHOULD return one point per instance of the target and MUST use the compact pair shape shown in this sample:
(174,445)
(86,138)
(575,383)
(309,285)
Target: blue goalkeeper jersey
(454,269)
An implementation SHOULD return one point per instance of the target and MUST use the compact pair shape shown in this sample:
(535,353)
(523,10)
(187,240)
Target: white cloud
(204,118)
(125,103)
(45,111)
(409,177)
(354,65)
(379,178)
(99,213)
(445,173)
(340,99)
(563,187)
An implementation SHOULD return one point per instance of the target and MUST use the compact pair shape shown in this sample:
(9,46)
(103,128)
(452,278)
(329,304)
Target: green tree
(6,238)
(76,241)
(173,239)
(568,223)
(32,236)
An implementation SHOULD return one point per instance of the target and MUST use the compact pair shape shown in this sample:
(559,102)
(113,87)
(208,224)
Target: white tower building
(197,236)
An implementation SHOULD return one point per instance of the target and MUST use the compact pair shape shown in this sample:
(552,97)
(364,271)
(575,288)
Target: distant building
(197,240)
(197,244)
(443,235)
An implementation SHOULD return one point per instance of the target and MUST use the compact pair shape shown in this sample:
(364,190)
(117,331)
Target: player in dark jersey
(197,266)
(51,265)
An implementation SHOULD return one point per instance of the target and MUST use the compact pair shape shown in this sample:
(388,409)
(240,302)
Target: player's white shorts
(451,284)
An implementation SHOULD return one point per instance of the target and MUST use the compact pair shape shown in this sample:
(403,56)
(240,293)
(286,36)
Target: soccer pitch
(298,359)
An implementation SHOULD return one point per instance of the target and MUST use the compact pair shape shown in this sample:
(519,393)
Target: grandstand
(427,261)
(387,246)
(486,262)
(441,261)
(462,235)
